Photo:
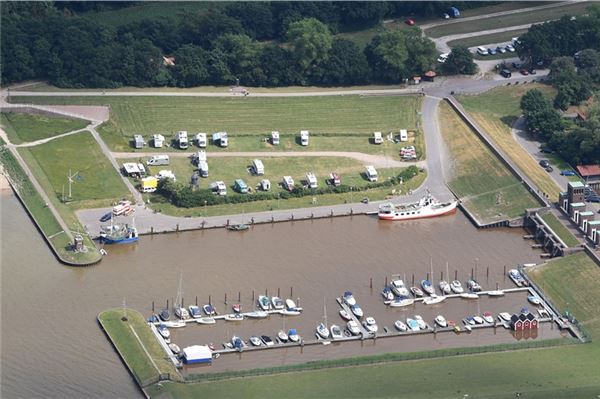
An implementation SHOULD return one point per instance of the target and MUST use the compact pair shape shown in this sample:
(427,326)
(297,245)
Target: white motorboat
(209,310)
(173,324)
(323,331)
(372,328)
(291,312)
(277,303)
(336,331)
(345,315)
(504,316)
(255,341)
(164,331)
(433,299)
(290,304)
(195,311)
(416,291)
(427,287)
(468,328)
(370,321)
(413,324)
(496,293)
(445,287)
(353,327)
(387,294)
(470,320)
(400,326)
(293,335)
(469,295)
(517,277)
(473,285)
(174,348)
(283,337)
(356,309)
(206,320)
(456,287)
(257,314)
(264,302)
(234,317)
(488,317)
(441,321)
(543,313)
(420,321)
(182,313)
(478,319)
(401,301)
(534,299)
(349,298)
(399,288)
(267,340)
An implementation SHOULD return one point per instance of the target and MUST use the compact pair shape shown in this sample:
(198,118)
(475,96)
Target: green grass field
(487,39)
(524,18)
(560,229)
(484,184)
(22,128)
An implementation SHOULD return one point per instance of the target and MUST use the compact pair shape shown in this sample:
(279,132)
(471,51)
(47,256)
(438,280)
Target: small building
(132,169)
(169,61)
(311,180)
(377,138)
(275,138)
(403,135)
(415,80)
(158,140)
(78,243)
(149,184)
(591,175)
(265,185)
(201,140)
(240,186)
(138,141)
(429,76)
(454,12)
(304,135)
(523,321)
(371,173)
(257,167)
(288,183)
(197,354)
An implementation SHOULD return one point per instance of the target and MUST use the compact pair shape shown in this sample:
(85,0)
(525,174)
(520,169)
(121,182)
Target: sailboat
(444,286)
(178,308)
(322,329)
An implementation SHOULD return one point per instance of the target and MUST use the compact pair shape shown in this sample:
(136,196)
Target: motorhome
(203,168)
(304,134)
(201,140)
(124,207)
(275,138)
(200,156)
(371,173)
(165,174)
(288,183)
(403,135)
(158,140)
(182,139)
(311,179)
(219,188)
(335,180)
(149,184)
(240,186)
(221,139)
(158,160)
(265,185)
(257,167)
(138,141)
(377,138)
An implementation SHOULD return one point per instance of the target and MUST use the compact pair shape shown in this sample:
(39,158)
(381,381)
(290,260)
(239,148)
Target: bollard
(371,283)
(225,298)
(196,300)
(291,292)
(152,306)
(278,292)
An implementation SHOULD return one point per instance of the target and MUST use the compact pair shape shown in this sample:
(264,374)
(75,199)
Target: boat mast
(179,292)
(324,312)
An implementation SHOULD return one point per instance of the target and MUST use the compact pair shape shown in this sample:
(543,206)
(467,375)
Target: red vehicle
(524,72)
(409,21)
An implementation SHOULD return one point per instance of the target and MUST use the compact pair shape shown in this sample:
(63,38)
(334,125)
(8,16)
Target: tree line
(255,43)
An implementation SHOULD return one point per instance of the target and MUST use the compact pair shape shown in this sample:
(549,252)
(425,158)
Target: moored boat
(237,308)
(164,331)
(534,299)
(427,287)
(238,227)
(488,317)
(255,341)
(445,287)
(517,277)
(349,298)
(353,327)
(283,337)
(433,299)
(206,320)
(293,335)
(277,303)
(478,319)
(387,294)
(469,295)
(290,304)
(441,321)
(234,317)
(264,302)
(323,331)
(401,301)
(357,310)
(266,340)
(504,316)
(195,311)
(164,314)
(182,313)
(400,326)
(209,310)
(372,328)
(174,348)
(413,324)
(496,293)
(291,312)
(237,343)
(336,331)
(345,315)
(399,288)
(456,287)
(257,314)
(426,207)
(473,285)
(117,234)
(173,324)
(420,322)
(416,291)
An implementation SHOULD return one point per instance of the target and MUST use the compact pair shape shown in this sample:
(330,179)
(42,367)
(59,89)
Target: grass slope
(495,111)
(484,184)
(487,39)
(22,128)
(560,229)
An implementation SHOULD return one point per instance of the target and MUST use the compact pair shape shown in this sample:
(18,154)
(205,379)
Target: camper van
(138,141)
(149,184)
(275,138)
(377,138)
(200,156)
(371,173)
(240,186)
(288,183)
(158,160)
(165,174)
(203,168)
(221,139)
(257,167)
(201,140)
(482,50)
(304,137)
(334,179)
(311,179)
(403,135)
(158,140)
(265,185)
(182,139)
(218,188)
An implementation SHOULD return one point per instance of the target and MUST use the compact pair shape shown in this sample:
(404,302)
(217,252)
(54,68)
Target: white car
(510,48)
(443,57)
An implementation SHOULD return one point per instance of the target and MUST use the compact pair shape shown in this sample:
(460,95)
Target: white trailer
(304,135)
(219,188)
(403,135)
(221,139)
(311,179)
(158,140)
(201,140)
(288,183)
(200,156)
(182,139)
(203,168)
(158,160)
(165,174)
(265,185)
(275,138)
(371,173)
(377,138)
(257,167)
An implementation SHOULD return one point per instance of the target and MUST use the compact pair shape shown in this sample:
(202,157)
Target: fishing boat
(264,302)
(387,294)
(469,295)
(400,326)
(278,303)
(118,234)
(349,298)
(227,345)
(488,317)
(441,321)
(236,307)
(478,319)
(413,324)
(427,287)
(356,309)
(534,299)
(267,340)
(182,313)
(323,331)
(234,317)
(401,301)
(174,348)
(293,335)
(433,299)
(164,331)
(195,311)
(238,227)
(336,331)
(164,315)
(372,328)
(473,285)
(416,291)
(257,314)
(255,341)
(456,287)
(426,207)
(517,277)
(445,287)
(353,327)
(206,320)
(421,322)
(399,288)
(283,337)
(237,343)
(209,310)
(504,316)
(345,315)
(173,324)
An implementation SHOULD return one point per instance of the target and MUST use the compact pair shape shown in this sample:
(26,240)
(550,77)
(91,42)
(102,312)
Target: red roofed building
(591,175)
(429,76)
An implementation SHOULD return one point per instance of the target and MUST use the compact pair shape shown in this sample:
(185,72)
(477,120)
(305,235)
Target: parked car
(409,21)
(546,150)
(445,16)
(491,51)
(501,49)
(549,169)
(524,72)
(106,217)
(533,71)
(544,163)
(516,65)
(510,48)
(567,172)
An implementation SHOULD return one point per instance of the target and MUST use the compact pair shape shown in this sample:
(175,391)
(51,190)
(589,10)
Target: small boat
(283,337)
(290,304)
(456,328)
(345,315)
(174,324)
(470,320)
(291,312)
(182,313)
(356,309)
(106,217)
(206,320)
(534,299)
(400,326)
(267,340)
(372,328)
(496,293)
(427,287)
(433,299)
(164,331)
(473,285)
(174,348)
(322,331)
(401,301)
(349,298)
(451,323)
(441,321)
(154,319)
(504,316)
(238,227)
(543,312)
(445,287)
(195,311)
(488,317)
(387,294)
(478,319)
(525,310)
(517,277)
(264,302)
(255,341)
(469,295)
(370,321)
(336,331)
(293,335)
(421,322)
(257,314)
(277,303)
(468,328)
(227,345)
(164,314)
(416,291)
(399,288)
(209,310)
(236,307)
(456,287)
(353,327)
(413,324)
(237,342)
(234,317)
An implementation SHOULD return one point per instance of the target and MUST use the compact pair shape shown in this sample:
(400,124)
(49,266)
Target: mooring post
(427,275)
(266,292)
(196,300)
(456,274)
(371,283)
(210,300)
(252,295)
(151,230)
(239,296)
(177,228)
(413,279)
(487,273)
(297,301)
(505,271)
(167,304)
(278,292)
(386,284)
(181,301)
(291,292)
(471,272)
(152,306)
(441,275)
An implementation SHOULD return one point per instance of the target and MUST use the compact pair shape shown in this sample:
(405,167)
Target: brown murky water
(52,346)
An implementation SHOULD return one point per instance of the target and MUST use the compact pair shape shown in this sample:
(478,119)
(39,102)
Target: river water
(52,346)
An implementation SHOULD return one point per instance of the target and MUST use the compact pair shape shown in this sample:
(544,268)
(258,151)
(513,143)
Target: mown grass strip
(564,233)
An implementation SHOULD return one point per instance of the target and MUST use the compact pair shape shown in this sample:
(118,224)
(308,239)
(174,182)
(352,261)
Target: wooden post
(441,275)
(167,304)
(196,300)
(152,306)
(487,273)
(504,271)
(371,283)
(413,279)
(456,274)
(239,296)
(471,272)
(181,301)
(151,230)
(278,292)
(266,293)
(252,295)
(291,292)
(428,276)
(386,283)
(209,300)
(177,227)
